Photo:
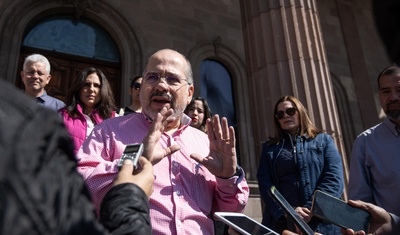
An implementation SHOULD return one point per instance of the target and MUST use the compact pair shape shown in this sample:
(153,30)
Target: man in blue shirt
(35,76)
(375,159)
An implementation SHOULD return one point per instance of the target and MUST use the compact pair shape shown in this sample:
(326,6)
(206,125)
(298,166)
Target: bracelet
(238,171)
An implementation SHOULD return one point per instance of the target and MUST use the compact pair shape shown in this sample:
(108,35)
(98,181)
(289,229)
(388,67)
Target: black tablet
(336,211)
(290,212)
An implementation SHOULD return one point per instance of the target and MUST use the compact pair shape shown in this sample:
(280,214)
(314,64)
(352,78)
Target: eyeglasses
(136,85)
(289,111)
(171,80)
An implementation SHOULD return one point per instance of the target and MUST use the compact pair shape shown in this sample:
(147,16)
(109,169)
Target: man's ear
(190,94)
(48,79)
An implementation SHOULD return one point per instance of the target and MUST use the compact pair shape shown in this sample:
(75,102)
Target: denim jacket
(319,165)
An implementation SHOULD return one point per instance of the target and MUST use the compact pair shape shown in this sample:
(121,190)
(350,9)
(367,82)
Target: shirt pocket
(201,188)
(316,154)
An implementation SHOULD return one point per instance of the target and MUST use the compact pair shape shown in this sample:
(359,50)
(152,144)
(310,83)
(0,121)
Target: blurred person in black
(40,190)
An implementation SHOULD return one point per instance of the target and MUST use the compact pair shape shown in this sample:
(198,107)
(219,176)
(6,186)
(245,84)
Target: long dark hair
(106,104)
(207,111)
(305,124)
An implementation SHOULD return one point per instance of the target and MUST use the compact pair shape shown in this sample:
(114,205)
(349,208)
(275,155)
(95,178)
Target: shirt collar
(41,99)
(392,127)
(147,118)
(44,94)
(185,119)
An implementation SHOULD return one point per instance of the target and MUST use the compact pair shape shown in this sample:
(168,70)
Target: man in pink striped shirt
(195,174)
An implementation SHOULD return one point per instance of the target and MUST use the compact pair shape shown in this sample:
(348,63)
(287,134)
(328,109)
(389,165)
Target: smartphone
(132,152)
(336,211)
(243,224)
(290,212)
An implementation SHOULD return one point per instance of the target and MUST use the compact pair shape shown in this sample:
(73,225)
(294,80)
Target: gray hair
(34,58)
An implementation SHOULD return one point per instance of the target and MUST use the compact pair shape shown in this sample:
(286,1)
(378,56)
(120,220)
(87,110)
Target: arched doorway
(72,45)
(22,16)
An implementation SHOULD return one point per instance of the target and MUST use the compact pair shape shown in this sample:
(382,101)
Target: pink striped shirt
(185,193)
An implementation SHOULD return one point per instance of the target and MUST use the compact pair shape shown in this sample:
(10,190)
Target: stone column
(285,55)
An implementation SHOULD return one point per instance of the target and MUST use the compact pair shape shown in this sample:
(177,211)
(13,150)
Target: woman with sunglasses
(298,160)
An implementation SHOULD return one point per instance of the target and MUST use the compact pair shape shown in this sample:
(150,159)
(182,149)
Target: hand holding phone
(133,153)
(338,212)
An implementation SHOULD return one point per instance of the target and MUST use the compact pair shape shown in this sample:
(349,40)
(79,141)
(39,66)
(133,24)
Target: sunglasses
(288,111)
(136,85)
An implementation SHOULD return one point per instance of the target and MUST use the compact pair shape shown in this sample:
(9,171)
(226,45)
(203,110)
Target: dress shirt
(374,167)
(50,102)
(185,193)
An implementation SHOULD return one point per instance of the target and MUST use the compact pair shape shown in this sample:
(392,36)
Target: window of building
(72,37)
(216,88)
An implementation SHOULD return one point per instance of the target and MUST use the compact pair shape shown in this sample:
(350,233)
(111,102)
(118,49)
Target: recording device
(132,152)
(338,212)
(290,212)
(243,224)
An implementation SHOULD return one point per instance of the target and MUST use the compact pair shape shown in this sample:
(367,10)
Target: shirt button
(178,192)
(176,164)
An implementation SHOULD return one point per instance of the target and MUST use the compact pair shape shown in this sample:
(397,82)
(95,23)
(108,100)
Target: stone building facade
(327,53)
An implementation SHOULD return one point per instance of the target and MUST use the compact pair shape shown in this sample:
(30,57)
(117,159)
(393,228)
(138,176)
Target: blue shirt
(50,102)
(375,167)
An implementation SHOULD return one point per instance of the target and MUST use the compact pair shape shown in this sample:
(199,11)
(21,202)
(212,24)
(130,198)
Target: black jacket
(40,190)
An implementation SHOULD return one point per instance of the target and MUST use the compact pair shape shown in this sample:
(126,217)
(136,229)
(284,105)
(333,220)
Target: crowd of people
(189,167)
(195,173)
